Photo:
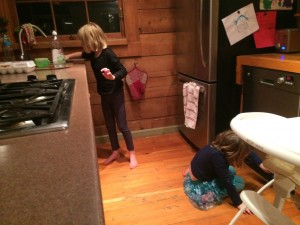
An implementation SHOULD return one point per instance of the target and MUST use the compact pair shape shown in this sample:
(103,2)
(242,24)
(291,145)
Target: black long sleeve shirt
(208,164)
(107,59)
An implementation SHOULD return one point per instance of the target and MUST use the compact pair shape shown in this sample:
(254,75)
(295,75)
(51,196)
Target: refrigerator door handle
(201,33)
(201,87)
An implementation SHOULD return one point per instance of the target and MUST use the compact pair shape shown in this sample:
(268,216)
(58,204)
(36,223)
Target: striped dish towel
(190,103)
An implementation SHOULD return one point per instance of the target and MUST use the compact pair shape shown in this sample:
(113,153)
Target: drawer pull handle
(267,82)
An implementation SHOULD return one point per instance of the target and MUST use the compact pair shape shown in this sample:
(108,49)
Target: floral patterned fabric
(208,194)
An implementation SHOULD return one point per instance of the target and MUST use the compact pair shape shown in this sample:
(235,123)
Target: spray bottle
(58,57)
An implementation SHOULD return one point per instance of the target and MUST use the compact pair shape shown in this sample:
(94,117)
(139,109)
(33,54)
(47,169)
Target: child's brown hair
(234,148)
(92,37)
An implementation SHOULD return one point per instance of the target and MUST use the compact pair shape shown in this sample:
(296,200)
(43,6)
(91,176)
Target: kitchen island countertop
(52,178)
(275,61)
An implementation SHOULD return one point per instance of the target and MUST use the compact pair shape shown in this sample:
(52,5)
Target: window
(67,16)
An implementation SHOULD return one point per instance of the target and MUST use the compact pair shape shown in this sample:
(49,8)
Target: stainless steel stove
(35,106)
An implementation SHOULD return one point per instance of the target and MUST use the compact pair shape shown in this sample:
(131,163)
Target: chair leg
(282,187)
(264,210)
(263,188)
(240,212)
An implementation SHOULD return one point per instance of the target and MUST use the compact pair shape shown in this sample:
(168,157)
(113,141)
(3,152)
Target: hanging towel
(191,92)
(136,81)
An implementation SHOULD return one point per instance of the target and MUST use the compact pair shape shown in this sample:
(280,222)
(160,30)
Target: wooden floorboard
(152,193)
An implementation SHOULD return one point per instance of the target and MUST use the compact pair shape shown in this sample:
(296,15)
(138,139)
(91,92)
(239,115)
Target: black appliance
(204,55)
(272,91)
(35,106)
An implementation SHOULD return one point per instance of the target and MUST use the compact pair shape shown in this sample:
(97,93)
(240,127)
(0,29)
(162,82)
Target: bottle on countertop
(7,49)
(58,57)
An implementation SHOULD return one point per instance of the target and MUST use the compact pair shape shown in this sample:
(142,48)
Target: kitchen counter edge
(52,178)
(275,61)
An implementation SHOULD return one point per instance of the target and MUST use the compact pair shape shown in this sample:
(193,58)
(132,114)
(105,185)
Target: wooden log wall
(161,105)
(150,37)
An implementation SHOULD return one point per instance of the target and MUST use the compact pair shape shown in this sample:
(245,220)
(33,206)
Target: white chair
(278,137)
(240,212)
(264,210)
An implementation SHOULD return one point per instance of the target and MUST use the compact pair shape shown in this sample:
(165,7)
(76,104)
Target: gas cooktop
(35,106)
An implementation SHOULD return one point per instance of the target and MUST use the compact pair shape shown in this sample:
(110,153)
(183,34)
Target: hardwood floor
(152,194)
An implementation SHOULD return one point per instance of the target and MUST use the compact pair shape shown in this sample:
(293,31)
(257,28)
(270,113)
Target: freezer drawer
(204,131)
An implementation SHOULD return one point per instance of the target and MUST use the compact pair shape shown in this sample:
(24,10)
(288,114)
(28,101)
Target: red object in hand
(107,74)
(105,71)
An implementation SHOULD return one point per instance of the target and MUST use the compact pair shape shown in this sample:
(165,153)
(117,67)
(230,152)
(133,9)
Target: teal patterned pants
(208,194)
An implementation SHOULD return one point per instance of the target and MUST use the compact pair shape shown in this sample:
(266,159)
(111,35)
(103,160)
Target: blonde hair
(92,37)
(234,148)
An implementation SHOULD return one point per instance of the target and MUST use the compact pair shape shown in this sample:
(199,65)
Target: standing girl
(109,72)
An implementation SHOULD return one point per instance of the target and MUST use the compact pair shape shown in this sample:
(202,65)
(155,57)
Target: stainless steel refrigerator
(196,59)
(205,56)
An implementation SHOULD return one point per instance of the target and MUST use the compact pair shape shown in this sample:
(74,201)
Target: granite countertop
(52,178)
(275,61)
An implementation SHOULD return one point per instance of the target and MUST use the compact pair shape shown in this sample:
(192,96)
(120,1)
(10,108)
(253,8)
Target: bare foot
(115,155)
(133,162)
(264,168)
(185,172)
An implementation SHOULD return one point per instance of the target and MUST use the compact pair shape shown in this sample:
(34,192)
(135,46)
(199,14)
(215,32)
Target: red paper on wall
(265,36)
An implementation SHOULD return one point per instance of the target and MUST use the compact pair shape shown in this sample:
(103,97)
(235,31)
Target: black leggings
(113,108)
(253,161)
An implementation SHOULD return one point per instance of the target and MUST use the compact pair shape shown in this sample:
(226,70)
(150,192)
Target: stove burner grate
(39,103)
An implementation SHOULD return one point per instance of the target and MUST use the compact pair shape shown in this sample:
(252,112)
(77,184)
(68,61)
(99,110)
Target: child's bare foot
(133,162)
(115,155)
(185,172)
